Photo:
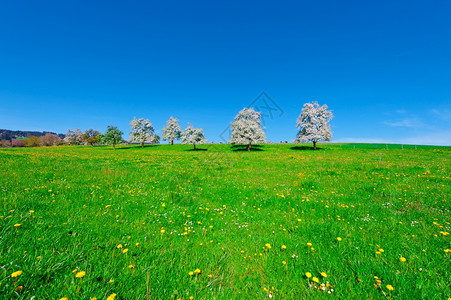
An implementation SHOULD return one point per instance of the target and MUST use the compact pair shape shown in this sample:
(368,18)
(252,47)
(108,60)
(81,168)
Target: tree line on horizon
(313,126)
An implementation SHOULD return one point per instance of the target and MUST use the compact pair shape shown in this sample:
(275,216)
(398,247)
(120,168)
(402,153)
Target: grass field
(283,221)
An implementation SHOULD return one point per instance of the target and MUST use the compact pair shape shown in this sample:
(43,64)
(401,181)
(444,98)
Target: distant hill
(6,134)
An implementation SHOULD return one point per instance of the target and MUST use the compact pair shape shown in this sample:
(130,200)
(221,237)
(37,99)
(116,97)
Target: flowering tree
(142,131)
(193,136)
(247,129)
(172,131)
(74,137)
(112,136)
(313,124)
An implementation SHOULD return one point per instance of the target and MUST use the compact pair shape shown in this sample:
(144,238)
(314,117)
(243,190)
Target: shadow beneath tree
(237,148)
(198,149)
(303,148)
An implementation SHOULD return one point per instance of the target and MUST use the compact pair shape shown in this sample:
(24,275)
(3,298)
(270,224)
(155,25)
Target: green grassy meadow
(165,222)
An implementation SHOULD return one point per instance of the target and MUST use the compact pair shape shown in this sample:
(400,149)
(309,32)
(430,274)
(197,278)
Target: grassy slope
(215,211)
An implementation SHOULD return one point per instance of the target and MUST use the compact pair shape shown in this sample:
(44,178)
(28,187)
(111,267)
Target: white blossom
(247,129)
(142,131)
(74,137)
(313,124)
(193,136)
(172,131)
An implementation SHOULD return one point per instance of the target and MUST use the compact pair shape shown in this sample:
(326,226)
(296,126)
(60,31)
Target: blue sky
(383,67)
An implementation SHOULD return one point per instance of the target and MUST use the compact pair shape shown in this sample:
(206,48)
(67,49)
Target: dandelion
(137,244)
(17,225)
(64,298)
(389,287)
(283,247)
(339,239)
(111,281)
(31,211)
(403,259)
(323,274)
(284,263)
(447,250)
(315,279)
(190,273)
(17,289)
(308,274)
(131,266)
(268,246)
(119,246)
(16,274)
(80,274)
(111,297)
(125,250)
(209,275)
(309,244)
(162,231)
(93,298)
(197,271)
(381,250)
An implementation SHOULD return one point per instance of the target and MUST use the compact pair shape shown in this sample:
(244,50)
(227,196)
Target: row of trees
(313,125)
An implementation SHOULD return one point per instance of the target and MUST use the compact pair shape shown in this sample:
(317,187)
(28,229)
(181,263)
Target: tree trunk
(114,147)
(172,142)
(314,145)
(194,146)
(249,147)
(142,145)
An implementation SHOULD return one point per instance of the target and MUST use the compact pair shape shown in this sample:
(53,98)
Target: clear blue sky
(383,67)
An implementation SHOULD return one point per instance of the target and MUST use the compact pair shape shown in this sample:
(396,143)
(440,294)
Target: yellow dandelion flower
(74,270)
(93,298)
(339,239)
(80,274)
(131,266)
(191,297)
(447,250)
(315,279)
(119,246)
(323,274)
(16,274)
(197,271)
(17,289)
(31,211)
(284,263)
(191,273)
(17,225)
(64,298)
(210,275)
(111,281)
(389,287)
(39,257)
(283,247)
(162,231)
(308,274)
(268,246)
(309,244)
(403,259)
(137,244)
(381,250)
(125,250)
(111,297)
(377,252)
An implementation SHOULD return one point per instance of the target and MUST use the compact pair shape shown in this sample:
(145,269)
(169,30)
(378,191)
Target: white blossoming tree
(142,131)
(193,136)
(313,124)
(247,129)
(172,131)
(74,137)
